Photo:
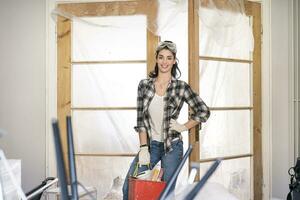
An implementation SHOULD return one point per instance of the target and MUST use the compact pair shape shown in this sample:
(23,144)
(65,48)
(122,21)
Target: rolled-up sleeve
(201,110)
(140,127)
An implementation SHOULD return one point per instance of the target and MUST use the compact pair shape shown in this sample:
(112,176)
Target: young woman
(160,99)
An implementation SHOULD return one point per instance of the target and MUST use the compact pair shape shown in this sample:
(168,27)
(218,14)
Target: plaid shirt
(177,92)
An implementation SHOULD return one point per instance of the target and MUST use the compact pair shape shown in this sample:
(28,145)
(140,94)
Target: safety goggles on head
(167,44)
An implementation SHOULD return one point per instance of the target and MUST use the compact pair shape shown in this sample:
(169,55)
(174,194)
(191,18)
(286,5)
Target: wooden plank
(248,8)
(116,8)
(99,8)
(193,63)
(108,62)
(225,158)
(231,108)
(224,59)
(103,108)
(152,38)
(106,154)
(152,42)
(257,110)
(134,154)
(226,5)
(210,58)
(63,78)
(134,108)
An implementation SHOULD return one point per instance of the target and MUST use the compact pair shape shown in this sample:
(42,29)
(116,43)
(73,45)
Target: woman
(160,99)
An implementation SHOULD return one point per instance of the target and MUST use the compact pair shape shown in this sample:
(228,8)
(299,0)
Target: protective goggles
(167,44)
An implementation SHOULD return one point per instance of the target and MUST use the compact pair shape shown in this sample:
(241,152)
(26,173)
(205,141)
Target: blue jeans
(169,162)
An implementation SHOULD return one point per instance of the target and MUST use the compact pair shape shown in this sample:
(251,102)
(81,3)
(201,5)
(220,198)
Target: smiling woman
(159,102)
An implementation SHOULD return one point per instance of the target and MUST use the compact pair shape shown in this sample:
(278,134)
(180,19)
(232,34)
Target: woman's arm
(174,125)
(140,127)
(191,123)
(144,155)
(201,110)
(143,138)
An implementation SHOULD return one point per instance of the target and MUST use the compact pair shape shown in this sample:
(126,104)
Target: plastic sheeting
(223,26)
(225,32)
(227,133)
(123,38)
(10,179)
(234,175)
(106,85)
(225,83)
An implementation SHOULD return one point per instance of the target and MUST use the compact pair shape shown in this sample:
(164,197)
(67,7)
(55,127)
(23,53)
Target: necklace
(161,87)
(162,84)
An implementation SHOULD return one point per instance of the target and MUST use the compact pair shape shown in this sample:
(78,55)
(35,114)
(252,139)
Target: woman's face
(165,61)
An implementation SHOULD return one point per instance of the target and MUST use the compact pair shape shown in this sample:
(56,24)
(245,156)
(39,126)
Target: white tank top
(156,111)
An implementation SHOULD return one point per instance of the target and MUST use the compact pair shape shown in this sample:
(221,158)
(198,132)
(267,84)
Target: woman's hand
(175,126)
(144,156)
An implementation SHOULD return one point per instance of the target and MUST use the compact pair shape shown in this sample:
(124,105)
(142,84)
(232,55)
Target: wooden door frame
(121,8)
(251,9)
(64,60)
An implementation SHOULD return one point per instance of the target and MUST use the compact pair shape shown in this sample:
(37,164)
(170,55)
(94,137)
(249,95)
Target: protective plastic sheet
(226,133)
(105,131)
(106,84)
(225,31)
(101,171)
(98,38)
(10,178)
(224,27)
(234,175)
(226,83)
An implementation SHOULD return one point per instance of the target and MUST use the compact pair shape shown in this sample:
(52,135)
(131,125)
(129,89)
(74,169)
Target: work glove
(175,126)
(144,156)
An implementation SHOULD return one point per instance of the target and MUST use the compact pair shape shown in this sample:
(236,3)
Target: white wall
(280,60)
(22,86)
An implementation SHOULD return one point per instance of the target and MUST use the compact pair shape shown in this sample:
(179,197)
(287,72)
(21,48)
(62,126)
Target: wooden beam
(225,158)
(108,62)
(257,110)
(63,78)
(134,108)
(193,63)
(103,108)
(152,38)
(231,108)
(226,5)
(152,42)
(210,58)
(106,154)
(116,8)
(248,8)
